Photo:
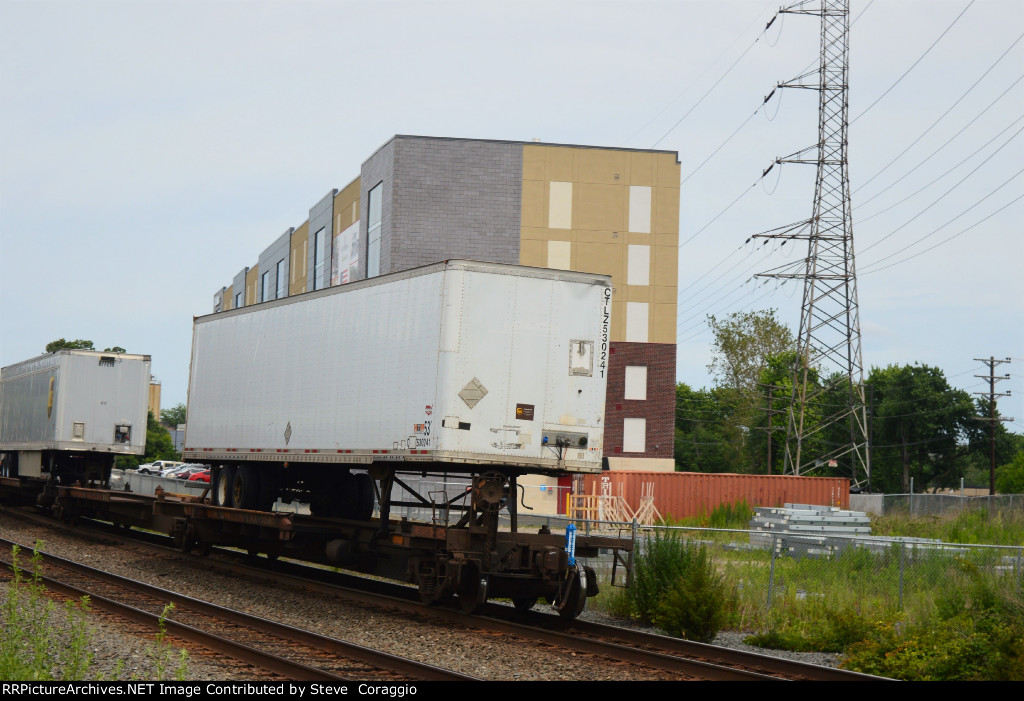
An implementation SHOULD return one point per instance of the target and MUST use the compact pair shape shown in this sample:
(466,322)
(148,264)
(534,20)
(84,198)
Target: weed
(162,655)
(36,644)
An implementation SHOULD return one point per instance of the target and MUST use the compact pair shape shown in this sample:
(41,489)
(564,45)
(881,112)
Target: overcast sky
(150,150)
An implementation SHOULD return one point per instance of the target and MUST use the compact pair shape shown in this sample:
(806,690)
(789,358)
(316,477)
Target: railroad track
(684,659)
(284,651)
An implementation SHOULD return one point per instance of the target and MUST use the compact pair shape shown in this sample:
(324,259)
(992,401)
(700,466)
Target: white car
(158,466)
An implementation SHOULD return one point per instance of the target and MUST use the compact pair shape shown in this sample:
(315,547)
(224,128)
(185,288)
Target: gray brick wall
(454,198)
(320,216)
(444,198)
(239,286)
(378,168)
(279,250)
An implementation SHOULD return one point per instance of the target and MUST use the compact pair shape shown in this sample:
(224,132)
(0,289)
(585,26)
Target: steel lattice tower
(829,361)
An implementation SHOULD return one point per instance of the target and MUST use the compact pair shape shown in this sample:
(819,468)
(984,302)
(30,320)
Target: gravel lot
(483,655)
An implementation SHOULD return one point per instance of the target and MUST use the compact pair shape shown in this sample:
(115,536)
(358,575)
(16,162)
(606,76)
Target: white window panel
(636,382)
(640,209)
(634,435)
(636,322)
(558,254)
(560,206)
(373,230)
(639,265)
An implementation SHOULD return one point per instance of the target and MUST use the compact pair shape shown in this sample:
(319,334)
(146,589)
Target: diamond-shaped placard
(473,392)
(288,433)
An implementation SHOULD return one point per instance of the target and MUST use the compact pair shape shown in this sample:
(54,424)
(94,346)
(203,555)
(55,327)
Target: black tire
(245,492)
(223,483)
(268,489)
(524,603)
(346,499)
(363,488)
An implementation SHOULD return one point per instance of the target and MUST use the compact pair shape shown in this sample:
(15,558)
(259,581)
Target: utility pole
(992,394)
(771,428)
(828,345)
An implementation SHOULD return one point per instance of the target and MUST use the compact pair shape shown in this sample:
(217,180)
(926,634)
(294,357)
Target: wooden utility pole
(992,394)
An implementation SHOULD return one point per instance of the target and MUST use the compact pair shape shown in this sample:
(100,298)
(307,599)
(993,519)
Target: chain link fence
(781,570)
(946,504)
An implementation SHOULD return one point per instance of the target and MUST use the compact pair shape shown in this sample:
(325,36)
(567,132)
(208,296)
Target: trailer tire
(223,484)
(245,492)
(363,487)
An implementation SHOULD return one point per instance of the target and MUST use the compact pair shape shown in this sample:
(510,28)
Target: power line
(943,195)
(915,255)
(861,220)
(943,115)
(913,65)
(946,143)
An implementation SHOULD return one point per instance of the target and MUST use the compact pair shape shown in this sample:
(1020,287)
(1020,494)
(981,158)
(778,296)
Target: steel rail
(274,663)
(619,643)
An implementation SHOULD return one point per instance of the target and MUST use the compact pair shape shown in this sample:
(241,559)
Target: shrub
(694,607)
(676,586)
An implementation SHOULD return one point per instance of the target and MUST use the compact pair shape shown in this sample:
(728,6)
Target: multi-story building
(419,200)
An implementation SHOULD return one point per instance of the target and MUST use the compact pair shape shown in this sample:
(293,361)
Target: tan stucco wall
(591,199)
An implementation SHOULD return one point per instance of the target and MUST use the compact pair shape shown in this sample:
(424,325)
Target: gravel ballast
(469,651)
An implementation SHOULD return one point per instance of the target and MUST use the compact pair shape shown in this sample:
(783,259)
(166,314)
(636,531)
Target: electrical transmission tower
(828,389)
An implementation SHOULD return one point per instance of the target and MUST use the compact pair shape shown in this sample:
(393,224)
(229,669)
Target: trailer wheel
(363,487)
(223,479)
(245,491)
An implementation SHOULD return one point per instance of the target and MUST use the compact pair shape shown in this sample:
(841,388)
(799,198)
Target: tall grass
(42,641)
(973,525)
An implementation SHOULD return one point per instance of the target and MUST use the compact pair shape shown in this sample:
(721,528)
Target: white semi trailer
(458,367)
(65,416)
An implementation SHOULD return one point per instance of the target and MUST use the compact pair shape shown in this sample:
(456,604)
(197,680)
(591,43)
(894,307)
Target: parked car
(158,466)
(203,476)
(182,472)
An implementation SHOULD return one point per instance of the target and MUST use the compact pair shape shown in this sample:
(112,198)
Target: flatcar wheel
(472,589)
(223,480)
(573,595)
(524,603)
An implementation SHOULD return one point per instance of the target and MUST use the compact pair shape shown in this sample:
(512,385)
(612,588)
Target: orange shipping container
(685,494)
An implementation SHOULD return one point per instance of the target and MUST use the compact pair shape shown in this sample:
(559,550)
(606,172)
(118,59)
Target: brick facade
(659,409)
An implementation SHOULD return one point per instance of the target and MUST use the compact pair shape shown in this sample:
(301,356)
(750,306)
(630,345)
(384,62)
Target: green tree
(61,344)
(173,416)
(708,439)
(744,343)
(115,349)
(1010,477)
(922,428)
(159,446)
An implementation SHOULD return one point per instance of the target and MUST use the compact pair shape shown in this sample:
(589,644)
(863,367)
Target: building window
(640,209)
(320,260)
(636,382)
(373,227)
(638,269)
(238,300)
(634,435)
(265,287)
(636,322)
(560,205)
(282,279)
(558,254)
